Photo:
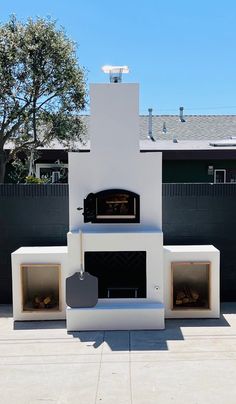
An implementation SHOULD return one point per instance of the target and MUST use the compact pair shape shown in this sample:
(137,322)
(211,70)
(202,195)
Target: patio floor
(191,361)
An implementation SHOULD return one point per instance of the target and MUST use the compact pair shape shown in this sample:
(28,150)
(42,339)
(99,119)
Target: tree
(42,87)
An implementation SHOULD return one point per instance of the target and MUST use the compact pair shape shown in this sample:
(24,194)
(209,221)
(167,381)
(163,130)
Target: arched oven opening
(112,206)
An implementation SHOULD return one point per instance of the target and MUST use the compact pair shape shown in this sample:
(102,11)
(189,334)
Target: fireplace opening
(190,285)
(40,284)
(121,274)
(112,206)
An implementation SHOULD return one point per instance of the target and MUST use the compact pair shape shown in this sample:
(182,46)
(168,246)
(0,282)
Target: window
(54,172)
(219,176)
(231,175)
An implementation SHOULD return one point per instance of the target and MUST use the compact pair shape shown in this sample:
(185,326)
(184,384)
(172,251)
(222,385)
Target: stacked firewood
(186,295)
(44,302)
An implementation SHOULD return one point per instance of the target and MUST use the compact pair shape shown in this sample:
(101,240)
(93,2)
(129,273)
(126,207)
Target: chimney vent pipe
(150,135)
(181,114)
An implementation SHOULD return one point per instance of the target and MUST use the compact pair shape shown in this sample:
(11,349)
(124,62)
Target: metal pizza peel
(81,287)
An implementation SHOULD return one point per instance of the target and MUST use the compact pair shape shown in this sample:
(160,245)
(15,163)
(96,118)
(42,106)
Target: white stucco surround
(120,314)
(192,253)
(115,160)
(44,256)
(149,241)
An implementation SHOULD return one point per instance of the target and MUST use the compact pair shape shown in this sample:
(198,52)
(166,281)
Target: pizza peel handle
(81,255)
(81,287)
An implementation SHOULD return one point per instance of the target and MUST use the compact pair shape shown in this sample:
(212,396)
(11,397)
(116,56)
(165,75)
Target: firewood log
(178,302)
(180,295)
(41,305)
(187,292)
(195,294)
(185,300)
(47,300)
(37,300)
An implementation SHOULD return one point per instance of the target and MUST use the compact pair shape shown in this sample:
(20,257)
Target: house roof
(195,127)
(198,132)
(190,149)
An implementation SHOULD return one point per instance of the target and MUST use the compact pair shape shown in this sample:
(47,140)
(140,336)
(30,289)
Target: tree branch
(45,101)
(12,130)
(17,113)
(13,153)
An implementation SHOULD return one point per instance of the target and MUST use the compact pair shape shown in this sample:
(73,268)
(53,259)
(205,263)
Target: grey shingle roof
(195,127)
(195,133)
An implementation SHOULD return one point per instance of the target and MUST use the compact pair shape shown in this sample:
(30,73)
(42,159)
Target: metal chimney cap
(115,69)
(115,72)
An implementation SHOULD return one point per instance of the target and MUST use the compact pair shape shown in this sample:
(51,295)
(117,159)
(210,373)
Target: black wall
(34,215)
(30,215)
(204,214)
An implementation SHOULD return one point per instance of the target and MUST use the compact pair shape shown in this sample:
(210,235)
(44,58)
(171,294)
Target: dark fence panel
(204,214)
(30,215)
(34,215)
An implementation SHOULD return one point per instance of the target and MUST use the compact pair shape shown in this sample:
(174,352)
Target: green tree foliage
(42,87)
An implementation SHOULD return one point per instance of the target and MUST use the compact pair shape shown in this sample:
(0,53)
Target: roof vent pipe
(181,114)
(150,135)
(164,128)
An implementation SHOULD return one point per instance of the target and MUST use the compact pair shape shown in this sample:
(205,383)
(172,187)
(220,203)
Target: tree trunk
(3,161)
(31,163)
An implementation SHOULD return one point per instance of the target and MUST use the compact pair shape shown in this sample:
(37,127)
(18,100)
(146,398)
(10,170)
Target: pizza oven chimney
(115,72)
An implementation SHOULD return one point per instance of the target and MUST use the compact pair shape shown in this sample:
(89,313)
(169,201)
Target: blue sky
(181,52)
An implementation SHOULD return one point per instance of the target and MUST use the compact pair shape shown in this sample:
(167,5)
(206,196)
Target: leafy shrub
(30,179)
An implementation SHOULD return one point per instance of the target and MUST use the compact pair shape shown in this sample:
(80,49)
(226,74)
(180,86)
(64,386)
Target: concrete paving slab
(115,357)
(48,359)
(168,356)
(190,361)
(196,382)
(116,341)
(30,384)
(114,384)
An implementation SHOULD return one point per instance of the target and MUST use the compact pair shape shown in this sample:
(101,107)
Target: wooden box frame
(190,263)
(23,291)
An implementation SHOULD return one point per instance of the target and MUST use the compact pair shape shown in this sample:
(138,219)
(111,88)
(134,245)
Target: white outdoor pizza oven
(115,208)
(120,222)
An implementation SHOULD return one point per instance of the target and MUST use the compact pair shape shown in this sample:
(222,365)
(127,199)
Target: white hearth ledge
(113,314)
